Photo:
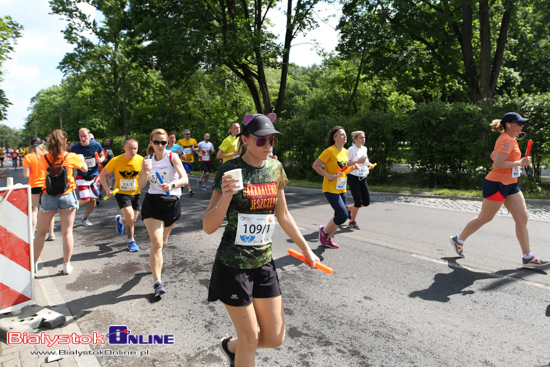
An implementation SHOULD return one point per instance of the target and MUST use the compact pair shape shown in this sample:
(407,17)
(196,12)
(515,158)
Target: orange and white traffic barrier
(16,249)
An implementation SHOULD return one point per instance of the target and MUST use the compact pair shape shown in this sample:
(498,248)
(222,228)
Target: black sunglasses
(156,142)
(519,123)
(260,142)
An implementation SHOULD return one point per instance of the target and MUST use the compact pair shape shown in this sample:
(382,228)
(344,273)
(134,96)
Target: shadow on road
(84,305)
(460,278)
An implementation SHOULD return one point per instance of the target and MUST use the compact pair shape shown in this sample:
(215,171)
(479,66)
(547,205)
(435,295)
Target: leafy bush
(450,144)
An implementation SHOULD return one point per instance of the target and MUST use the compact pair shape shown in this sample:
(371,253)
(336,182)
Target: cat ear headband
(247,118)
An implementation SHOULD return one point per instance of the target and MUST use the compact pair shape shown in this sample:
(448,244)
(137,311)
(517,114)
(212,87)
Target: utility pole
(60,118)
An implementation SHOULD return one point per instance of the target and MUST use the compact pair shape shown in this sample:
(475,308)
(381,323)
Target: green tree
(10,137)
(109,60)
(465,39)
(187,35)
(9,32)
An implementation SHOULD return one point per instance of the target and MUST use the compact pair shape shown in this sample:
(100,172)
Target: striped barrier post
(16,250)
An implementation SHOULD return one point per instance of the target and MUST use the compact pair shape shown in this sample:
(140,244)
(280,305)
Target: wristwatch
(173,186)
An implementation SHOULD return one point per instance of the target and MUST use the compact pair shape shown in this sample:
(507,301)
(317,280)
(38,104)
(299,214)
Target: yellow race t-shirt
(187,156)
(334,161)
(229,145)
(126,173)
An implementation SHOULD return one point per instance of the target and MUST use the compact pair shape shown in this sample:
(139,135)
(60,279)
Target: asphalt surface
(398,296)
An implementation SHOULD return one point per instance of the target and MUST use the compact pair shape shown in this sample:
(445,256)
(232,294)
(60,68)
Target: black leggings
(359,190)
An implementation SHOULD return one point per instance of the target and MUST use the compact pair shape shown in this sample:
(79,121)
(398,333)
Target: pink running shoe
(322,236)
(331,244)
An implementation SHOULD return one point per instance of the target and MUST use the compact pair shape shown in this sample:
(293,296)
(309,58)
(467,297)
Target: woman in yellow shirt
(332,164)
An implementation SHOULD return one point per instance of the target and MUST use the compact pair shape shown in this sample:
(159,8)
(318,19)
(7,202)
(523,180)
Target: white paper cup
(236,174)
(149,162)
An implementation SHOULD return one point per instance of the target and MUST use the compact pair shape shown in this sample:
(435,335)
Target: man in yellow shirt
(189,146)
(228,148)
(126,167)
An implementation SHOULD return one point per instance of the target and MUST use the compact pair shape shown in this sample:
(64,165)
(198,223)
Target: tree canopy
(10,30)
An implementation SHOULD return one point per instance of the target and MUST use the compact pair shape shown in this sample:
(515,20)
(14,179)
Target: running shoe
(85,222)
(225,350)
(322,236)
(457,246)
(204,187)
(119,224)
(354,225)
(50,237)
(67,268)
(191,193)
(534,261)
(159,288)
(331,244)
(132,246)
(199,182)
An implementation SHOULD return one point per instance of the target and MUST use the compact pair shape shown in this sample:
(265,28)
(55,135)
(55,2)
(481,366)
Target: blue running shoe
(119,224)
(159,288)
(132,246)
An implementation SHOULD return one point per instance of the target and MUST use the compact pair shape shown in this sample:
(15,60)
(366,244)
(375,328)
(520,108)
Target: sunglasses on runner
(260,142)
(156,142)
(519,123)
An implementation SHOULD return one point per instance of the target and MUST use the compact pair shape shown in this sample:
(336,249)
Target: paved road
(398,295)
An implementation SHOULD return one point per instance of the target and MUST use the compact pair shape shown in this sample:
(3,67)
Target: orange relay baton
(97,160)
(318,265)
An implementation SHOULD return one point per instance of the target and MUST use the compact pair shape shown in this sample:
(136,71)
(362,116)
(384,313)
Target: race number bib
(341,183)
(90,162)
(153,179)
(206,157)
(363,171)
(254,229)
(187,150)
(516,172)
(127,185)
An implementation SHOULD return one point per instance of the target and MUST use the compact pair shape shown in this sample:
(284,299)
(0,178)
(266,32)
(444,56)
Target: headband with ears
(247,118)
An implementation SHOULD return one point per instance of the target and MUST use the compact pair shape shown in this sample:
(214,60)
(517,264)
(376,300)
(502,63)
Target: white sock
(459,240)
(130,240)
(528,255)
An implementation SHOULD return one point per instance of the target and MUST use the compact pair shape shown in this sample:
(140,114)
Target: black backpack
(56,178)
